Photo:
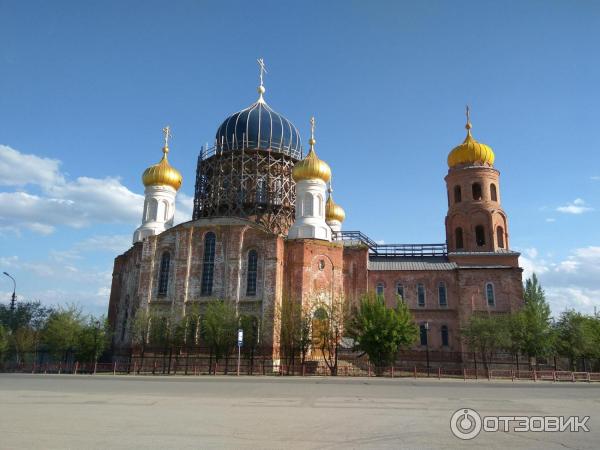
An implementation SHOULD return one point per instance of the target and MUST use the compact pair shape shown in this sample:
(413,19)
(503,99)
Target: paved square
(53,411)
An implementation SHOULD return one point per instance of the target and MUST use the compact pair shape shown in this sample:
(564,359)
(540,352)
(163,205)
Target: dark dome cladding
(259,127)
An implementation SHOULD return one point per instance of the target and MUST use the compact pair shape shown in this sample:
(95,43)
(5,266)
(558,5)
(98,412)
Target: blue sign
(240,337)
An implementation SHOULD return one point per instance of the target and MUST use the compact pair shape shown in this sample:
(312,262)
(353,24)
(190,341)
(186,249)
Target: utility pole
(14,294)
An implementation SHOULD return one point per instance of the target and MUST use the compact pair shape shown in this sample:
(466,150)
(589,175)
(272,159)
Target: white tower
(334,213)
(162,182)
(311,176)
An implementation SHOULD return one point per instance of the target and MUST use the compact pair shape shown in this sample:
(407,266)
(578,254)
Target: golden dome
(471,151)
(162,174)
(311,167)
(333,211)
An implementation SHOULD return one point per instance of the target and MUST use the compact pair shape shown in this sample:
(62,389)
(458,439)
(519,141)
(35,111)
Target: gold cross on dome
(312,127)
(262,69)
(167,133)
(468,114)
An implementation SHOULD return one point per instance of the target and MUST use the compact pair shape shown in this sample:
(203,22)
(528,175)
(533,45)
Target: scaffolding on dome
(244,181)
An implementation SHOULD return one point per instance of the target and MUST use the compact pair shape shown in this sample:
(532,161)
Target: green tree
(219,328)
(295,335)
(576,336)
(381,332)
(94,339)
(140,332)
(486,335)
(3,342)
(328,323)
(62,331)
(535,338)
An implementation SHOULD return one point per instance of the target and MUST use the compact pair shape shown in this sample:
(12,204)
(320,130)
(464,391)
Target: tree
(576,336)
(219,328)
(251,328)
(62,331)
(486,335)
(380,331)
(535,339)
(327,330)
(295,336)
(24,325)
(3,342)
(94,339)
(140,332)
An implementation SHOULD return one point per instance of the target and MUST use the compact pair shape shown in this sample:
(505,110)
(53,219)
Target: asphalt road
(80,412)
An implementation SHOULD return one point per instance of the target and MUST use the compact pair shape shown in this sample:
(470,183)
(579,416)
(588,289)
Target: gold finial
(468,125)
(312,141)
(167,134)
(263,70)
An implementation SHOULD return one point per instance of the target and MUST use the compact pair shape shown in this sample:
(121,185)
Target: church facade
(265,227)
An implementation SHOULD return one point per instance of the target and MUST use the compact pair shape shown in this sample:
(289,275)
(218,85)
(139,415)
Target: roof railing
(376,249)
(220,148)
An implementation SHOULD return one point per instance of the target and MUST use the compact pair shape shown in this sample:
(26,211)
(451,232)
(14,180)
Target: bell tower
(475,221)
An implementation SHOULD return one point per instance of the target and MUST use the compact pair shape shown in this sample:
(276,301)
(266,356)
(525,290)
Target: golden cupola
(163,174)
(311,167)
(333,211)
(471,151)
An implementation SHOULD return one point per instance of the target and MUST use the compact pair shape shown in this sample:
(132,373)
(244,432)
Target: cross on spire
(262,69)
(312,140)
(468,112)
(167,134)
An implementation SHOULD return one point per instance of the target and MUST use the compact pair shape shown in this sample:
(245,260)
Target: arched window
(421,295)
(252,272)
(423,333)
(444,334)
(165,209)
(277,195)
(308,204)
(320,205)
(480,235)
(457,194)
(261,191)
(379,289)
(490,295)
(163,275)
(208,264)
(442,297)
(400,291)
(460,244)
(153,209)
(493,193)
(500,237)
(476,191)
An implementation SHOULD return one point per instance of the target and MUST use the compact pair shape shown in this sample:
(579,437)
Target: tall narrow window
(420,295)
(490,295)
(252,272)
(444,333)
(500,237)
(379,289)
(493,193)
(308,204)
(480,235)
(457,194)
(125,318)
(459,239)
(423,334)
(208,264)
(443,299)
(476,191)
(163,275)
(261,191)
(400,291)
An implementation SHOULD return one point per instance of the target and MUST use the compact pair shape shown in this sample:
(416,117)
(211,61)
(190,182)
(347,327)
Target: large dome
(259,127)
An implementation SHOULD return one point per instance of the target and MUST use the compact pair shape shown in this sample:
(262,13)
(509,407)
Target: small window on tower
(480,235)
(457,194)
(459,239)
(477,191)
(500,237)
(322,264)
(493,193)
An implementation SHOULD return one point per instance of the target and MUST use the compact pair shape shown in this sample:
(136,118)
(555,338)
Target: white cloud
(573,282)
(550,220)
(578,206)
(79,203)
(595,178)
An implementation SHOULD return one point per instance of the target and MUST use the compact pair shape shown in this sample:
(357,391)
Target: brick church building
(265,227)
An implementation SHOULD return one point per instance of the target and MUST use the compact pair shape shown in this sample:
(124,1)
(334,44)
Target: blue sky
(86,87)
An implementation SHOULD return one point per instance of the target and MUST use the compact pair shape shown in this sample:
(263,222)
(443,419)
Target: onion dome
(163,174)
(333,211)
(471,151)
(311,167)
(259,127)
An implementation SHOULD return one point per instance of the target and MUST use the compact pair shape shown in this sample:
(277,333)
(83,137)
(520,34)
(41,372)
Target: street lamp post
(14,294)
(427,345)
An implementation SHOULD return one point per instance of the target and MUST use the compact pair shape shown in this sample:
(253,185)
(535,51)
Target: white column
(159,211)
(310,211)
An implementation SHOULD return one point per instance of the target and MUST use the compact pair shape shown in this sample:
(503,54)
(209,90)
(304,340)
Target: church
(265,227)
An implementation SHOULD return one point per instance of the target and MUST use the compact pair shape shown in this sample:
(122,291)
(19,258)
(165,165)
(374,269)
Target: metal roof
(432,263)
